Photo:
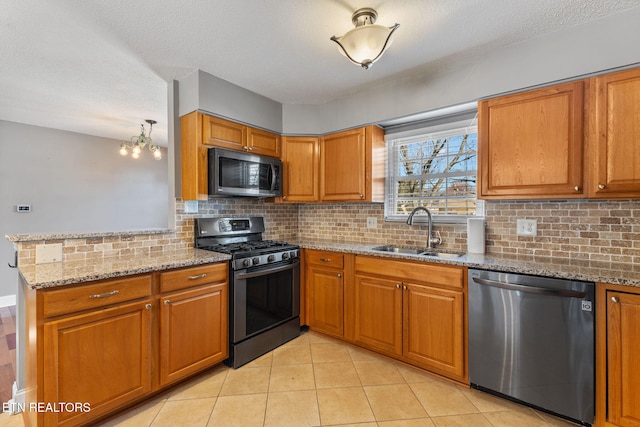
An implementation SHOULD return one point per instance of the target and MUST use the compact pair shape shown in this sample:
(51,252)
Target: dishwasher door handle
(531,289)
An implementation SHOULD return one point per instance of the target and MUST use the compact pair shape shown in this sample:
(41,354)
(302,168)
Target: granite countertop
(40,276)
(595,271)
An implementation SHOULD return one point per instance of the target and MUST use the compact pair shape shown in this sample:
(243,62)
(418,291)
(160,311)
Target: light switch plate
(190,206)
(372,222)
(527,227)
(48,253)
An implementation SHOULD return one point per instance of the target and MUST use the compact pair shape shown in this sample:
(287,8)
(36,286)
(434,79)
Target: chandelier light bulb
(123,150)
(135,155)
(157,154)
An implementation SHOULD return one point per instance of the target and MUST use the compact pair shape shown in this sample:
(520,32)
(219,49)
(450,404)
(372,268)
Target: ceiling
(102,67)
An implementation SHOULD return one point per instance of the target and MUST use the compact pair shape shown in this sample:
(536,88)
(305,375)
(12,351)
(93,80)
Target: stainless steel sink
(442,254)
(418,251)
(398,249)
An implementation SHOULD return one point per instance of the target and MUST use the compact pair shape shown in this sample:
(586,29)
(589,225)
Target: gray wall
(74,183)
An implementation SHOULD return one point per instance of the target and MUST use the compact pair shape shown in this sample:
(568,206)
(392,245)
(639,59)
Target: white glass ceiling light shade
(366,43)
(138,142)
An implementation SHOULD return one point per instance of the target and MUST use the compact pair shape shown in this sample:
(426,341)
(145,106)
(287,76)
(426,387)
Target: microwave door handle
(272,177)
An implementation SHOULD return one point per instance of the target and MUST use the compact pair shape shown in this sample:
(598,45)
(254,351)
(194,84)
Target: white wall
(74,183)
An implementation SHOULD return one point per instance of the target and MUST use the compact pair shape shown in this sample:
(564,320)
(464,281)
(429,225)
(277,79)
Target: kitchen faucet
(431,241)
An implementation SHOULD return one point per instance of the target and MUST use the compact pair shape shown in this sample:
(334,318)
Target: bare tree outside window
(437,171)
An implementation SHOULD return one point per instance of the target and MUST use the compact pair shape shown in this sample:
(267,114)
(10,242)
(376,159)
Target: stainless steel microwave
(239,174)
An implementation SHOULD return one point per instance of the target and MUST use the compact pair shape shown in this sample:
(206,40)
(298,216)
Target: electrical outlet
(527,227)
(372,222)
(48,253)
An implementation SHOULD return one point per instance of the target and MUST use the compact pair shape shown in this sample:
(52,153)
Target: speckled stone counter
(62,236)
(39,276)
(595,271)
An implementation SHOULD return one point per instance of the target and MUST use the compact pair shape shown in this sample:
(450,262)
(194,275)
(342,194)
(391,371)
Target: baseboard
(7,301)
(16,404)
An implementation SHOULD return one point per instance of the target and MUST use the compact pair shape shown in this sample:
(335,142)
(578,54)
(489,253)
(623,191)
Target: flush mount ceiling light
(366,43)
(138,142)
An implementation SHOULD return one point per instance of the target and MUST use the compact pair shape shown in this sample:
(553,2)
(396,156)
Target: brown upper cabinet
(350,164)
(531,144)
(614,135)
(573,140)
(199,132)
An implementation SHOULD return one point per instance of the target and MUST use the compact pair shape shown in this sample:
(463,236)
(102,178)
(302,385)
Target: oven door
(263,298)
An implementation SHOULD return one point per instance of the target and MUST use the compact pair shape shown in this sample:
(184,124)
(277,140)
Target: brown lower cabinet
(412,311)
(98,347)
(618,356)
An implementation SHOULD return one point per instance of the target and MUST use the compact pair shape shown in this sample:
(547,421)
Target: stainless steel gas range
(264,285)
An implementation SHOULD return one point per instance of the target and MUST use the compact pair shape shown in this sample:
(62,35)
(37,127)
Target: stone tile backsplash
(580,229)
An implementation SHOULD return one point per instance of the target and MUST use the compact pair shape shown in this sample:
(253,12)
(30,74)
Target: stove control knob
(246,262)
(271,258)
(294,254)
(256,261)
(285,255)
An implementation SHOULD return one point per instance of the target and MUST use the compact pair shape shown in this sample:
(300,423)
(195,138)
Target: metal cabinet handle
(398,286)
(602,186)
(284,197)
(199,276)
(105,295)
(339,275)
(148,306)
(362,196)
(167,302)
(325,259)
(577,188)
(404,287)
(615,299)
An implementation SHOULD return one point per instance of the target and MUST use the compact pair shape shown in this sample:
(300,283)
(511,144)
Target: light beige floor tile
(292,408)
(246,380)
(208,385)
(515,418)
(372,424)
(292,377)
(263,361)
(486,402)
(414,375)
(335,374)
(292,355)
(8,420)
(241,411)
(554,421)
(394,402)
(378,372)
(475,420)
(418,422)
(188,413)
(137,417)
(440,398)
(329,352)
(360,354)
(315,338)
(344,406)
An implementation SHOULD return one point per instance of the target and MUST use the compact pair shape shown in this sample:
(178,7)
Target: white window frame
(432,132)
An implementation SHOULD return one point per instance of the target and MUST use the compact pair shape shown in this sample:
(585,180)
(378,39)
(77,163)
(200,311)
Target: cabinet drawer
(436,274)
(193,276)
(95,295)
(324,258)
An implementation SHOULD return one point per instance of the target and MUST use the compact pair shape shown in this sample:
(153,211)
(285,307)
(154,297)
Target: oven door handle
(242,276)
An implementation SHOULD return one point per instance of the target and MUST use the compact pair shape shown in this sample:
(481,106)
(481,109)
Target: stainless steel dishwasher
(531,339)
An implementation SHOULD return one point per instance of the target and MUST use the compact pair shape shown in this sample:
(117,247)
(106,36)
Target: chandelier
(366,43)
(138,142)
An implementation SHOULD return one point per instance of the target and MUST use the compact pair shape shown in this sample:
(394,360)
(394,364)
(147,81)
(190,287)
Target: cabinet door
(531,144)
(223,133)
(434,329)
(263,142)
(325,288)
(343,166)
(300,156)
(623,358)
(616,133)
(379,314)
(193,331)
(102,358)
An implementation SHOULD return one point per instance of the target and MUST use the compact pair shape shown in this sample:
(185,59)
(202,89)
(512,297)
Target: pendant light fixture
(366,43)
(138,142)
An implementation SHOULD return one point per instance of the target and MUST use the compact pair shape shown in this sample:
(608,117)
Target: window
(434,167)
